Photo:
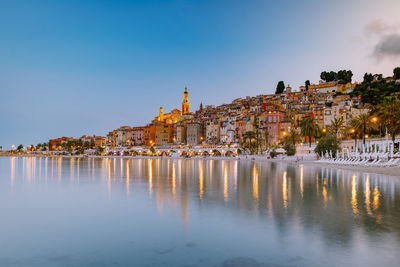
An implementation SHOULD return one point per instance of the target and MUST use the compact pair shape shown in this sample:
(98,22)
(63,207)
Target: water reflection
(339,202)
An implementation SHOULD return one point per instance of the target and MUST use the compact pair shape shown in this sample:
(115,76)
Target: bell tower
(185,102)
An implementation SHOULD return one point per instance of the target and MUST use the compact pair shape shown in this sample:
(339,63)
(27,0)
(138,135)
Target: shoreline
(390,171)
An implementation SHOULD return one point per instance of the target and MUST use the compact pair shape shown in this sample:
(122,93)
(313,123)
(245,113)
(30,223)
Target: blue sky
(69,68)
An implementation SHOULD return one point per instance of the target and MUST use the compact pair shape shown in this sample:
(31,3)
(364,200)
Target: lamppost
(374,119)
(353,131)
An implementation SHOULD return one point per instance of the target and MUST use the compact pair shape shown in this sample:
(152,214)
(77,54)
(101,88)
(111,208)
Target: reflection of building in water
(12,171)
(307,196)
(255,183)
(127,178)
(150,174)
(284,190)
(201,179)
(225,170)
(354,194)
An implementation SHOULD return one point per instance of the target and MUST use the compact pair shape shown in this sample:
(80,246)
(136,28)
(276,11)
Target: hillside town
(255,124)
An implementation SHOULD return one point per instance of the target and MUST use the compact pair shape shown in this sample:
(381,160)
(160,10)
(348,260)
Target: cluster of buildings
(229,124)
(277,114)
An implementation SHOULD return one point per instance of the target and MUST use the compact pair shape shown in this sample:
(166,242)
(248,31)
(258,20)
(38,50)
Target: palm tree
(267,135)
(293,138)
(362,123)
(309,128)
(336,127)
(389,111)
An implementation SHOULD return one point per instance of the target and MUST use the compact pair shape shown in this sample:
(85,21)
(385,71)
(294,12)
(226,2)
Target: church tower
(185,103)
(161,114)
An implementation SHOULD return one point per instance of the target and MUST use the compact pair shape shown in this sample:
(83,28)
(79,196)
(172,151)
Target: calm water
(172,212)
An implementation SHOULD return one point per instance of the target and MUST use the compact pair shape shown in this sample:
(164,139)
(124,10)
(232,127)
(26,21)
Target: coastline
(390,171)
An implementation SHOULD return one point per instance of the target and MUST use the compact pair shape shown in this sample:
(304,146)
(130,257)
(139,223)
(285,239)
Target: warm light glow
(324,130)
(255,183)
(353,130)
(173,181)
(324,192)
(354,203)
(366,136)
(284,191)
(201,180)
(109,175)
(151,176)
(225,183)
(127,178)
(376,195)
(374,119)
(301,180)
(367,194)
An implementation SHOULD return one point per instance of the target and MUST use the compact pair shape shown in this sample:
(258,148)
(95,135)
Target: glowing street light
(374,119)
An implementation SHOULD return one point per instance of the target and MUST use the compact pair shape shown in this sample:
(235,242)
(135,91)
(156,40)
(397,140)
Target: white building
(228,130)
(212,131)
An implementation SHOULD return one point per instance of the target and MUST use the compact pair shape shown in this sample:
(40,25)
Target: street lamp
(353,131)
(374,119)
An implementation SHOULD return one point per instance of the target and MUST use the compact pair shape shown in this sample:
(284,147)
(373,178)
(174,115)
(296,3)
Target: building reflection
(285,194)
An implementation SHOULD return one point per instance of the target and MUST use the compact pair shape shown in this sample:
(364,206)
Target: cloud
(387,46)
(386,37)
(376,27)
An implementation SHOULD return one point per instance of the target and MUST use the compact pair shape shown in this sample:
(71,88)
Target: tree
(280,87)
(290,149)
(396,73)
(249,141)
(99,150)
(328,76)
(363,124)
(273,153)
(20,147)
(327,143)
(266,138)
(389,111)
(374,89)
(336,127)
(292,138)
(307,84)
(368,77)
(309,128)
(344,76)
(86,145)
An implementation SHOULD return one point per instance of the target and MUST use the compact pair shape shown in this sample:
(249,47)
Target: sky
(69,68)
